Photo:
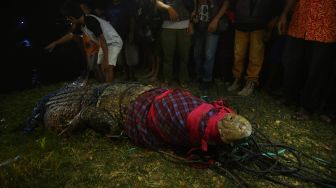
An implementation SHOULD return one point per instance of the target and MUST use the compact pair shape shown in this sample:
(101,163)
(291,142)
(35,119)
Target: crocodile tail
(37,115)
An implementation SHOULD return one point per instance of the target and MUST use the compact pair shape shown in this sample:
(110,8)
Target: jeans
(205,46)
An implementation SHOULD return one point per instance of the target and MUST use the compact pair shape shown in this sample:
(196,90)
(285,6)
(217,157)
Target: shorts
(113,52)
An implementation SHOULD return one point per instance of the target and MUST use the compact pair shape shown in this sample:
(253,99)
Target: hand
(282,24)
(173,15)
(72,20)
(190,29)
(50,47)
(213,25)
(193,17)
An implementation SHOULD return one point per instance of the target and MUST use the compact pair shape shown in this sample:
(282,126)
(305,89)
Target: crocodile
(148,115)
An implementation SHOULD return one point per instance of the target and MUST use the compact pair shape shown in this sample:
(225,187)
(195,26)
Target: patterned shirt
(169,126)
(314,20)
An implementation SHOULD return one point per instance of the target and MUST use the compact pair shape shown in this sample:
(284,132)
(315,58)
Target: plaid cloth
(167,126)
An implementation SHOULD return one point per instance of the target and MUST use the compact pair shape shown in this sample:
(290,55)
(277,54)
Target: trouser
(175,40)
(254,41)
(308,72)
(205,46)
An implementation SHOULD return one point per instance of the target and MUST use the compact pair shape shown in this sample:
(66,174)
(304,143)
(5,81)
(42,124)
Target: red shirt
(314,20)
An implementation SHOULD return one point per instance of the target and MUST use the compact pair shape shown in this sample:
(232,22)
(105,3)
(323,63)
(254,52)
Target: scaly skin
(103,108)
(85,107)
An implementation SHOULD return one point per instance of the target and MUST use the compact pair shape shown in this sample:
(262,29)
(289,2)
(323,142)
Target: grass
(90,160)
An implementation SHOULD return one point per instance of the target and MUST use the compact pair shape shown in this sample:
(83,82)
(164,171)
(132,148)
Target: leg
(152,67)
(240,47)
(255,62)
(183,48)
(156,50)
(97,119)
(156,68)
(168,39)
(256,58)
(113,54)
(109,74)
(199,40)
(318,83)
(292,61)
(241,43)
(210,52)
(101,121)
(122,60)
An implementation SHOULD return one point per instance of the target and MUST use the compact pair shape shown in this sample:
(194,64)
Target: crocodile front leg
(95,118)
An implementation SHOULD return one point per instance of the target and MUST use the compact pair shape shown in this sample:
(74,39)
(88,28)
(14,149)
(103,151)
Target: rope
(257,156)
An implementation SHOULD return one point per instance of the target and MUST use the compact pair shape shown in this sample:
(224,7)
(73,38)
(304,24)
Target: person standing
(101,32)
(175,37)
(308,54)
(206,20)
(251,18)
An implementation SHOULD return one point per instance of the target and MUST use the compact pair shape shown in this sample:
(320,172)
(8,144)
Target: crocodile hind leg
(72,126)
(97,119)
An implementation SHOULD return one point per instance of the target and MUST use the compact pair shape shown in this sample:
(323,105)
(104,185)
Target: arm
(66,38)
(193,13)
(171,11)
(94,26)
(283,18)
(103,45)
(214,22)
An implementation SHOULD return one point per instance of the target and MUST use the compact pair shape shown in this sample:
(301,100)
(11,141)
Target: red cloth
(211,131)
(194,119)
(314,20)
(175,118)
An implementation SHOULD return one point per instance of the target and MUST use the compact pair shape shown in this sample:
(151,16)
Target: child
(100,31)
(90,47)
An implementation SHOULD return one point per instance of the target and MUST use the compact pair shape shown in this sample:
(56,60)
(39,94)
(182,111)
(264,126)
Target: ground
(42,159)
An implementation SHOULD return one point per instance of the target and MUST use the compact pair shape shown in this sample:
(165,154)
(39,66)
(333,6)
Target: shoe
(235,85)
(248,89)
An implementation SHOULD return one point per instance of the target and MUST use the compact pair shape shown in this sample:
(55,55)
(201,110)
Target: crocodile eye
(229,117)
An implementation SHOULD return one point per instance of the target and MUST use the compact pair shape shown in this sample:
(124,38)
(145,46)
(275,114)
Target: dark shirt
(253,15)
(119,16)
(93,25)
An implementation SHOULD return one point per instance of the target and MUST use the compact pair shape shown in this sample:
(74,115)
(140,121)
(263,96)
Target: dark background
(30,26)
